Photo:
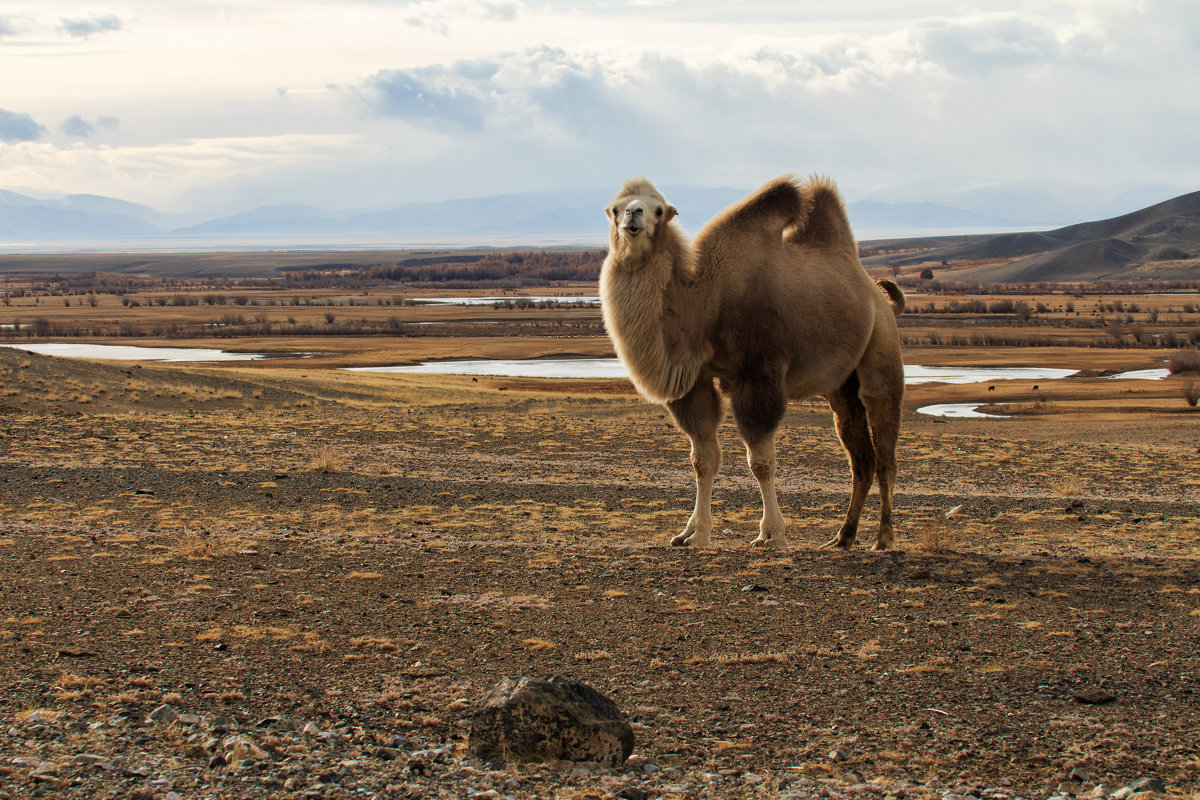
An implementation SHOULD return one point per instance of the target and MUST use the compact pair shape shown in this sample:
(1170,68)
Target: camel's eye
(658,211)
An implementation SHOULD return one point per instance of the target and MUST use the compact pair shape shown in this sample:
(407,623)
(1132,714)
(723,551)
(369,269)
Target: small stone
(752,779)
(1094,696)
(222,723)
(387,753)
(279,724)
(630,793)
(1069,788)
(1146,795)
(164,714)
(310,730)
(191,719)
(838,755)
(1121,794)
(1078,774)
(87,759)
(490,794)
(1148,785)
(1099,792)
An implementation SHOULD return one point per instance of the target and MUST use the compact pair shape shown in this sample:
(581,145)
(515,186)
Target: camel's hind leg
(852,429)
(884,413)
(758,408)
(698,414)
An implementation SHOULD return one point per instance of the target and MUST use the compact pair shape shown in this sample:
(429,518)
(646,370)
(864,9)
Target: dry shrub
(325,460)
(1184,361)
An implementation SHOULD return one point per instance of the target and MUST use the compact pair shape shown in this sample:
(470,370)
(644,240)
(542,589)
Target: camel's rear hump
(822,221)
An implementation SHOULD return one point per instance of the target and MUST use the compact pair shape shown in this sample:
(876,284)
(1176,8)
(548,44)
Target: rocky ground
(244,584)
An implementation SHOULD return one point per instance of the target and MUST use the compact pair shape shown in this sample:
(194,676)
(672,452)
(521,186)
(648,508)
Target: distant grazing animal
(771,303)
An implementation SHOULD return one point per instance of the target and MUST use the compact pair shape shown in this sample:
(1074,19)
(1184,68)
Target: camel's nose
(635,219)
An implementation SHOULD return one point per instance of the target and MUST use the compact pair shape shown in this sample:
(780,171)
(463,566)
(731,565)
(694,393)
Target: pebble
(164,714)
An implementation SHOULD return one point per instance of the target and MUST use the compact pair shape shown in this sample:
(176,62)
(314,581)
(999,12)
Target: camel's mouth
(633,230)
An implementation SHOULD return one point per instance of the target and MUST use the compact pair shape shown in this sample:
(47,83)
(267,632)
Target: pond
(586,300)
(612,368)
(958,411)
(127,352)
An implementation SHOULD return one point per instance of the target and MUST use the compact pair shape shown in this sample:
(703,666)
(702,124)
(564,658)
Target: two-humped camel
(772,303)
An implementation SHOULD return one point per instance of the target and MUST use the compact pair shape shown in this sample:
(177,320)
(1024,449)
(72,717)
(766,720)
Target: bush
(1184,361)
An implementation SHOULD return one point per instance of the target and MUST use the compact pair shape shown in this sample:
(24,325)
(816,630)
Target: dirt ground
(362,556)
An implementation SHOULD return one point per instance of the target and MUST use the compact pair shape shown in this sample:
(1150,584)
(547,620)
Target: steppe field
(278,578)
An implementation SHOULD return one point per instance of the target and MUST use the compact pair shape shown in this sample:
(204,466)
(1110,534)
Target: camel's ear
(611,213)
(671,212)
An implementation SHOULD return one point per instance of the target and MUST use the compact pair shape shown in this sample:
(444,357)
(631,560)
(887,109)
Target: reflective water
(516,368)
(612,368)
(487,301)
(126,352)
(958,411)
(1142,375)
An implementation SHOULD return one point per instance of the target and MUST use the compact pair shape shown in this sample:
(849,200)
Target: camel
(771,303)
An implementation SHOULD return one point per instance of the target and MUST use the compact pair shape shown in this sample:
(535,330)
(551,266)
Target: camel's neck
(655,315)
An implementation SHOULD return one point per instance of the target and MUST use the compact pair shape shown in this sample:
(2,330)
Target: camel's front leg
(698,413)
(761,457)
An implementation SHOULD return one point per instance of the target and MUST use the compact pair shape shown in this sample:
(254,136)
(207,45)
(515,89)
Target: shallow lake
(958,411)
(612,368)
(487,301)
(128,352)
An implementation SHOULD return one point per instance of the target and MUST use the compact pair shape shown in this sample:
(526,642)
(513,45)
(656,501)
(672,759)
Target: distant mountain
(575,215)
(1161,241)
(24,219)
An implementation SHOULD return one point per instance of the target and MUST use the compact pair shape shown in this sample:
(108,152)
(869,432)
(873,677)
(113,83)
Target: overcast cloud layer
(217,107)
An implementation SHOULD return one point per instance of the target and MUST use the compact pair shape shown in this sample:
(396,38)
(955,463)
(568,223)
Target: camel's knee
(763,470)
(705,464)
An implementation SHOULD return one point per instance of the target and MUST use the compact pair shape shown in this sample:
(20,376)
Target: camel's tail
(895,296)
(822,221)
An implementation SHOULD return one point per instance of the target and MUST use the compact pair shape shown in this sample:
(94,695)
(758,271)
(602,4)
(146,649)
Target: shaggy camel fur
(771,302)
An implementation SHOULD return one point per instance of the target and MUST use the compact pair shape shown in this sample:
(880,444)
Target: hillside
(1160,242)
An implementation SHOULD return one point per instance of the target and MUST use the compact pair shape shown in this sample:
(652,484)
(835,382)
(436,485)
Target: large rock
(548,719)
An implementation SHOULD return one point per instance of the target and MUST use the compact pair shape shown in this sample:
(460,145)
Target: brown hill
(1161,241)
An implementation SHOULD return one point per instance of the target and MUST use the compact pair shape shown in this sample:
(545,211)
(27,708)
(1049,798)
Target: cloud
(8,25)
(77,126)
(85,26)
(161,173)
(15,127)
(439,15)
(980,97)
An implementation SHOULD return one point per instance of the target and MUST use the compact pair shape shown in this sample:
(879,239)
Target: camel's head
(637,213)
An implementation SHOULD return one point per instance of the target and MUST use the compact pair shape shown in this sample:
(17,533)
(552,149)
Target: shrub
(1191,393)
(1184,361)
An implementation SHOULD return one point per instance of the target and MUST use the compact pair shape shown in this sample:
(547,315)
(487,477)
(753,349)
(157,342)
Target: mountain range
(561,216)
(1160,242)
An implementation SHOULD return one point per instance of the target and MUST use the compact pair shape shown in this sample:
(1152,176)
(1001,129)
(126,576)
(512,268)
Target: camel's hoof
(840,543)
(773,544)
(882,544)
(679,541)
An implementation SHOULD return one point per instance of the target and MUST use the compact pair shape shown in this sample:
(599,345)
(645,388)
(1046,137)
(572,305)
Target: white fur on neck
(663,358)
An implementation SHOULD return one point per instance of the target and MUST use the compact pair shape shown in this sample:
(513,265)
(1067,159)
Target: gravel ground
(302,593)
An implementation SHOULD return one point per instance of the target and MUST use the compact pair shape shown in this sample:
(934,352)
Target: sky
(219,106)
